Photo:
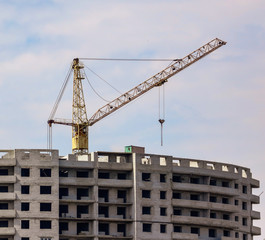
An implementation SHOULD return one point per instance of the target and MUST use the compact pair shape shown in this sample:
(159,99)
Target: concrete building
(127,195)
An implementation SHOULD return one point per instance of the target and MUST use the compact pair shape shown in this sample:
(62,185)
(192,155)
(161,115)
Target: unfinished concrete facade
(128,195)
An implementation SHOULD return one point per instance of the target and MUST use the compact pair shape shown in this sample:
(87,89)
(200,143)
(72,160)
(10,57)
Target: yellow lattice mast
(79,115)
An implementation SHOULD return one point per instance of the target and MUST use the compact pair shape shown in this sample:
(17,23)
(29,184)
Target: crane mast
(79,121)
(79,115)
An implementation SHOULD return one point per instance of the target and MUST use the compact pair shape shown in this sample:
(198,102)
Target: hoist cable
(103,79)
(95,90)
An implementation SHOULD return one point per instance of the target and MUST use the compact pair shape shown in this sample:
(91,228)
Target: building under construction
(123,195)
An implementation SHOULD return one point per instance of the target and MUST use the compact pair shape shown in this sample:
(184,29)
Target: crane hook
(161,122)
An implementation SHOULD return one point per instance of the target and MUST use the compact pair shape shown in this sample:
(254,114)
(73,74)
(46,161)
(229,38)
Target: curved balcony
(8,213)
(73,181)
(9,231)
(7,179)
(115,183)
(7,196)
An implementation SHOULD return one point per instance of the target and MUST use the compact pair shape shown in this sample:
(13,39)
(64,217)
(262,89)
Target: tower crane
(80,122)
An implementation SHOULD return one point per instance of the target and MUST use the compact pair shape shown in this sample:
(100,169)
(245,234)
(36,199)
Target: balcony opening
(103,211)
(121,228)
(225,184)
(103,175)
(3,224)
(225,200)
(82,192)
(121,211)
(195,197)
(226,216)
(195,180)
(213,182)
(194,213)
(122,176)
(82,174)
(176,178)
(63,226)
(176,195)
(213,199)
(195,230)
(3,171)
(103,228)
(177,229)
(3,206)
(82,227)
(81,209)
(63,192)
(103,193)
(212,215)
(122,194)
(63,210)
(63,173)
(177,212)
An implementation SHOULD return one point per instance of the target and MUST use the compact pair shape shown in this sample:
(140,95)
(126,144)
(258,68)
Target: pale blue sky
(214,109)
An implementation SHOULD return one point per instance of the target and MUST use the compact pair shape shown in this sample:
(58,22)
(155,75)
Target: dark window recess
(82,192)
(63,173)
(82,174)
(23,238)
(45,189)
(213,199)
(146,210)
(45,172)
(225,184)
(146,177)
(226,217)
(103,227)
(25,189)
(146,194)
(63,192)
(236,218)
(163,194)
(3,206)
(177,212)
(194,180)
(3,188)
(213,182)
(195,197)
(194,213)
(147,227)
(244,221)
(212,233)
(25,206)
(104,175)
(163,211)
(245,236)
(236,202)
(226,233)
(25,172)
(103,193)
(81,209)
(163,228)
(176,178)
(45,207)
(24,224)
(3,224)
(245,189)
(122,194)
(163,177)
(176,195)
(236,185)
(212,215)
(103,210)
(195,230)
(63,226)
(3,171)
(244,205)
(122,176)
(45,224)
(236,235)
(82,227)
(225,200)
(5,239)
(63,209)
(121,211)
(177,229)
(122,228)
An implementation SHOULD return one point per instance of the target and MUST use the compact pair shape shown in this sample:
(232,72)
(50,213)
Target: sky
(214,109)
